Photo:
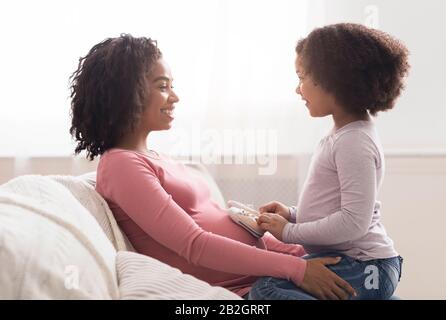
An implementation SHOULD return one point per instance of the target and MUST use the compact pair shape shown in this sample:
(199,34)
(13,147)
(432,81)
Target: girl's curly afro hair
(363,68)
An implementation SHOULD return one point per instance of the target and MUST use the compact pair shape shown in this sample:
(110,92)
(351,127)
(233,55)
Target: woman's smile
(168,112)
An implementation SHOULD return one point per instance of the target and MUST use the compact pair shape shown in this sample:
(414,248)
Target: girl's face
(318,101)
(158,113)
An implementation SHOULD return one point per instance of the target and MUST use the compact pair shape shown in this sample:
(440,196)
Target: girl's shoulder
(360,139)
(356,132)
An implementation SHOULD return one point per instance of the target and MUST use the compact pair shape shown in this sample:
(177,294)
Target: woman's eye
(165,87)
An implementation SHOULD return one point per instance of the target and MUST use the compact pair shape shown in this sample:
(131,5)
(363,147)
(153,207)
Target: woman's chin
(163,127)
(168,126)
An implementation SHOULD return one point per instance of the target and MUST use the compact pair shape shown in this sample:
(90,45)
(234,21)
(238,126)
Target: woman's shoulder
(118,154)
(117,165)
(121,161)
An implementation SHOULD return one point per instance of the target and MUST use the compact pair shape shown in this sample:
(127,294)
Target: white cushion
(142,277)
(84,192)
(53,247)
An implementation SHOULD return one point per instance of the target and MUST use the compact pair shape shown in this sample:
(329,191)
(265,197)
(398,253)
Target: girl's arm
(356,158)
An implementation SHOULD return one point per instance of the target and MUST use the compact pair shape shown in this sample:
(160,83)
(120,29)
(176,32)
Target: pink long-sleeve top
(167,213)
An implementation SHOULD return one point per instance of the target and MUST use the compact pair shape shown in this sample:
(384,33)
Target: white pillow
(53,247)
(142,277)
(86,194)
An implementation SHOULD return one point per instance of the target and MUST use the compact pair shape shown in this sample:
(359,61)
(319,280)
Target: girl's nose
(298,90)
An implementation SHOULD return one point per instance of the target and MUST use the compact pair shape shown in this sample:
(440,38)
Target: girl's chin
(314,114)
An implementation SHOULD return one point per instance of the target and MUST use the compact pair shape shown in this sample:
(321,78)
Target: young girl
(350,72)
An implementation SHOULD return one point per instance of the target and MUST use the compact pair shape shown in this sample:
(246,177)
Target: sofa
(59,240)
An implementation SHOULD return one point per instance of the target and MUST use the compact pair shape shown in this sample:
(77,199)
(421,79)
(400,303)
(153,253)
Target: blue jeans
(372,280)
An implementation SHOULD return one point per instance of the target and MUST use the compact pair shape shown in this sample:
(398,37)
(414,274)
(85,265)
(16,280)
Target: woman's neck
(134,141)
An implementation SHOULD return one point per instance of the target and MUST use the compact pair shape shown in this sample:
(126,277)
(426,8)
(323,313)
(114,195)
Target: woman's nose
(173,97)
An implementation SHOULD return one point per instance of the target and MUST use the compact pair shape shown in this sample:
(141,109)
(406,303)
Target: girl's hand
(277,208)
(273,223)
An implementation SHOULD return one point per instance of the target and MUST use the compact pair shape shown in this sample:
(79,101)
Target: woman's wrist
(299,274)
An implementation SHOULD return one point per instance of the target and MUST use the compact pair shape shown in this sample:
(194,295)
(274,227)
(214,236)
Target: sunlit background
(232,62)
(233,68)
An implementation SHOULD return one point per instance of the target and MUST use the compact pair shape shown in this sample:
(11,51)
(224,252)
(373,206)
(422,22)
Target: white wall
(414,213)
(417,121)
(232,61)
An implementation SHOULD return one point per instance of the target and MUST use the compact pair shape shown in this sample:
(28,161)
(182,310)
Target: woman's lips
(168,112)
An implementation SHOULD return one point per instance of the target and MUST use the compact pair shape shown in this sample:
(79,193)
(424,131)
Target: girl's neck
(342,118)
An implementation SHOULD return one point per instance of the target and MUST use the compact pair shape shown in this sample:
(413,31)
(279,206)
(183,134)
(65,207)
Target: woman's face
(318,101)
(158,114)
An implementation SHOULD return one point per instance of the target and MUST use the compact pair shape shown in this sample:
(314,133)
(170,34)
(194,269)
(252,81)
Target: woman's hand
(273,223)
(277,208)
(324,284)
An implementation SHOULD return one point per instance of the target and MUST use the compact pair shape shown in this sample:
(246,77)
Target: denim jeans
(372,280)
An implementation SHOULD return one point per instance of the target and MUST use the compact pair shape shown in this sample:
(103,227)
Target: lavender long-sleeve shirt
(338,208)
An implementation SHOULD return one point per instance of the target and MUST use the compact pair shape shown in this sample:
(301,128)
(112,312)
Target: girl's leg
(269,288)
(375,279)
(372,280)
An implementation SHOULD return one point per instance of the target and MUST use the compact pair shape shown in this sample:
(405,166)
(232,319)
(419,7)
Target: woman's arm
(134,186)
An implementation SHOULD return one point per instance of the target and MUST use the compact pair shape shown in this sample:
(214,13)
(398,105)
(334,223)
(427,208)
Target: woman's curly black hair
(108,91)
(362,68)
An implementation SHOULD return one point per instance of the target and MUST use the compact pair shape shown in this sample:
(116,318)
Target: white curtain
(233,64)
(232,61)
